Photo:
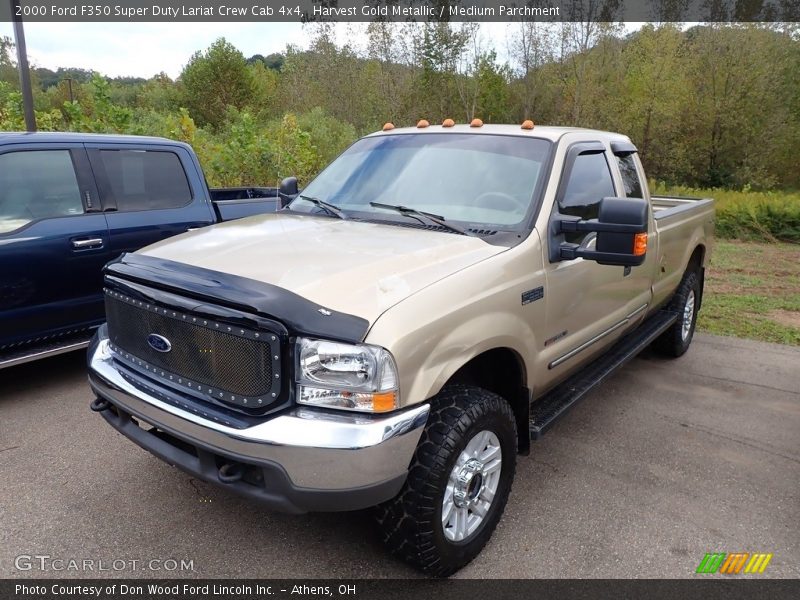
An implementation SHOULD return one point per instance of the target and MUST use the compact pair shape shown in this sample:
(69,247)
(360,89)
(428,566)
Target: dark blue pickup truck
(69,203)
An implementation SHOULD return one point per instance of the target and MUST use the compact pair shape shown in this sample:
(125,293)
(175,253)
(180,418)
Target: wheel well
(696,262)
(697,259)
(502,371)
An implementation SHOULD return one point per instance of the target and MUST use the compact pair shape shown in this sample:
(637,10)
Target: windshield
(477,180)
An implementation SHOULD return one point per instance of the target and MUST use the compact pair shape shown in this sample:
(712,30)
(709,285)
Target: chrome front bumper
(311,459)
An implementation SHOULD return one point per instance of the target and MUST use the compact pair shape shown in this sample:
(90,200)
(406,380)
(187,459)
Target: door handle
(90,243)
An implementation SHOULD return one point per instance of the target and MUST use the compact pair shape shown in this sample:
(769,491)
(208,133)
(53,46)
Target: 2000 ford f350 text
(429,304)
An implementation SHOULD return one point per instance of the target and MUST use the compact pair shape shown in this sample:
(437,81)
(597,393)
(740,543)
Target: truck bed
(679,220)
(667,206)
(239,202)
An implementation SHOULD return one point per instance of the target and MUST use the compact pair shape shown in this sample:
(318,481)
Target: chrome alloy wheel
(688,316)
(471,487)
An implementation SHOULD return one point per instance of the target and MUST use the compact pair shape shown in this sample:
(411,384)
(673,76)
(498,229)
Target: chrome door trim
(597,338)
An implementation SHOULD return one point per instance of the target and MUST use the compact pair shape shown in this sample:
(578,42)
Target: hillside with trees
(708,106)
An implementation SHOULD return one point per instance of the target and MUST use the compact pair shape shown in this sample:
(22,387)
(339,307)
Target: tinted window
(148,180)
(589,182)
(630,176)
(474,179)
(37,185)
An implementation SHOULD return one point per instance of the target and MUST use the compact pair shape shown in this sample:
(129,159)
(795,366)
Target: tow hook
(231,472)
(99,405)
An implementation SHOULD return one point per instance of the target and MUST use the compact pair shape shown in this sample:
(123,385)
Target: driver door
(589,305)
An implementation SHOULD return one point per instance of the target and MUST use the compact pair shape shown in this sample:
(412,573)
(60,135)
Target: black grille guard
(297,314)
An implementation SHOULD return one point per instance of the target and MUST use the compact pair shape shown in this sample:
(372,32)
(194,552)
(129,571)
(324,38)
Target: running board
(553,405)
(29,352)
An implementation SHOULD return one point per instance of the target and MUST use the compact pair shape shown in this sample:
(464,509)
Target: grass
(748,215)
(753,291)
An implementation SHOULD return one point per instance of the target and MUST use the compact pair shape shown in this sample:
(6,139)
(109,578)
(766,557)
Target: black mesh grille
(216,359)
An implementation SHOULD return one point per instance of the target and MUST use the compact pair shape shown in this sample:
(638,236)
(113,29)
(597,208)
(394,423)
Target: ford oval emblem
(159,343)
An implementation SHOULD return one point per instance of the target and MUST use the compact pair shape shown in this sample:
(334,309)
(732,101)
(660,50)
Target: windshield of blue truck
(475,180)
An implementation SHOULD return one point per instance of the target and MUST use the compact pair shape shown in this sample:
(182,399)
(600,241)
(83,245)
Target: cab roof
(551,133)
(21,137)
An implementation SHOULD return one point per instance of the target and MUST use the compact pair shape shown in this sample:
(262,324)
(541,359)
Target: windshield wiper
(413,212)
(326,206)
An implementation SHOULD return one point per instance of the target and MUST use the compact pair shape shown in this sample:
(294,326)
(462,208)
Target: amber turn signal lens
(422,123)
(476,123)
(527,124)
(388,126)
(639,244)
(448,123)
(383,402)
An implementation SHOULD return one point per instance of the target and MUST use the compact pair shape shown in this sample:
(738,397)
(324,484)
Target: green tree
(328,135)
(265,89)
(214,80)
(443,53)
(652,111)
(740,114)
(245,155)
(106,117)
(160,93)
(8,71)
(493,89)
(294,155)
(273,61)
(531,48)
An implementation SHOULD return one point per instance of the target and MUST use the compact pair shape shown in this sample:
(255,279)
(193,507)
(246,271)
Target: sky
(145,49)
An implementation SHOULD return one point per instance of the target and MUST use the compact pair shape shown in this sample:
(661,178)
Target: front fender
(459,346)
(435,332)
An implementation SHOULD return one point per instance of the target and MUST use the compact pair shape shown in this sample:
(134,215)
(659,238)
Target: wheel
(458,483)
(674,342)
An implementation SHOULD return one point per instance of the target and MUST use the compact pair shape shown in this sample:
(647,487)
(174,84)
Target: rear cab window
(630,176)
(35,185)
(634,183)
(143,179)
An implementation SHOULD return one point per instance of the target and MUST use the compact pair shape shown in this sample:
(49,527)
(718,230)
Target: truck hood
(352,267)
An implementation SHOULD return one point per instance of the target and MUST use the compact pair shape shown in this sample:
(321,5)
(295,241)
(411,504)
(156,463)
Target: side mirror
(621,228)
(288,190)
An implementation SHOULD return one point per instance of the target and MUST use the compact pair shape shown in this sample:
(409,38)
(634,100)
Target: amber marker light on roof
(476,123)
(448,123)
(527,124)
(388,126)
(422,124)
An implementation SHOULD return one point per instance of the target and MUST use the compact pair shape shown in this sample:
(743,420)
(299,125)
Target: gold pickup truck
(429,304)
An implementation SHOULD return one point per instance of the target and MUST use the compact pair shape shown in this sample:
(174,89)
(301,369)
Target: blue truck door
(53,243)
(149,192)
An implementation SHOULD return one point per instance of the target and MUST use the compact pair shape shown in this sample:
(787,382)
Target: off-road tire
(672,343)
(411,523)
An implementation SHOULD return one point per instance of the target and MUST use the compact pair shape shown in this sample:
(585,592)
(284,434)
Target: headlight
(345,376)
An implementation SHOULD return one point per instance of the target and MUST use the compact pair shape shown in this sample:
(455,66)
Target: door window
(589,182)
(37,184)
(145,180)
